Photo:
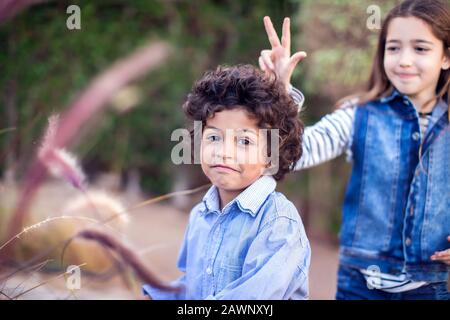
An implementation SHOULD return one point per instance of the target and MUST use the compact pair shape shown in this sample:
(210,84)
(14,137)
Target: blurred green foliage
(44,66)
(340,45)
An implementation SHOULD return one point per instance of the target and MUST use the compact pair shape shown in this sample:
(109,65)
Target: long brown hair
(436,14)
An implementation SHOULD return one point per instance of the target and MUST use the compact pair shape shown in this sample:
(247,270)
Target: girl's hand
(442,256)
(278,61)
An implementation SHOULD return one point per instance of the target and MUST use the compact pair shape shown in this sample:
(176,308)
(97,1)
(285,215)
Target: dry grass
(93,210)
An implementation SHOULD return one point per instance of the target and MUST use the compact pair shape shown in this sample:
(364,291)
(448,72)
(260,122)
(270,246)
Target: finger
(271,33)
(262,65)
(286,35)
(448,238)
(441,254)
(446,251)
(266,55)
(296,58)
(441,259)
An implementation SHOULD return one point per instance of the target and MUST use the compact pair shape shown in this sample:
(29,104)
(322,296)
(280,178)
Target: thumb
(296,58)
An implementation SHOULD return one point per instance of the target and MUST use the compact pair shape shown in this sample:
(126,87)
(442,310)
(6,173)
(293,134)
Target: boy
(244,240)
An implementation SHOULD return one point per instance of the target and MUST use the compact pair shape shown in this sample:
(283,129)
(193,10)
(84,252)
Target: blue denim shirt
(255,248)
(400,225)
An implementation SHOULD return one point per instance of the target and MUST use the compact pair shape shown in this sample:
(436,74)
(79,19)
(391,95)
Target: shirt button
(208,270)
(416,136)
(408,241)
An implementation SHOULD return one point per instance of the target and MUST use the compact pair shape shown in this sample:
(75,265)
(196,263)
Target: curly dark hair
(265,98)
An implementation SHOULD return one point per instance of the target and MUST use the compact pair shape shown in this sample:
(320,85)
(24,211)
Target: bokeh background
(126,149)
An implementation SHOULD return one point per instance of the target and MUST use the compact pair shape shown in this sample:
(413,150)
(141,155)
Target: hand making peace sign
(278,60)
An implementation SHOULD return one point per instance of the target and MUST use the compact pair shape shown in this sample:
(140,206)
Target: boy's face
(233,150)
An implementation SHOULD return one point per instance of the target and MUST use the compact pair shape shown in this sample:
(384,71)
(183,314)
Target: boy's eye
(245,141)
(213,138)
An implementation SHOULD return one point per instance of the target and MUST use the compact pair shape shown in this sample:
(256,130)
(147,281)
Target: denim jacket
(396,211)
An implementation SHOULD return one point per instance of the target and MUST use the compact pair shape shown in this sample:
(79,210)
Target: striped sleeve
(297,96)
(328,138)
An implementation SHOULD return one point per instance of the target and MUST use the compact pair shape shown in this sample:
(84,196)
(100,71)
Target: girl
(396,212)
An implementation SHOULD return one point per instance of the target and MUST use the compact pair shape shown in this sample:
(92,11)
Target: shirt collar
(250,200)
(438,111)
(211,200)
(394,93)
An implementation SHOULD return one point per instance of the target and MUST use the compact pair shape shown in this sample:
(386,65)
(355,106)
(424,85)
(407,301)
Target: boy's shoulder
(278,206)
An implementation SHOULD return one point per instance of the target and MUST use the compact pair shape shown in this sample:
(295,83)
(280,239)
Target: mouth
(224,168)
(403,75)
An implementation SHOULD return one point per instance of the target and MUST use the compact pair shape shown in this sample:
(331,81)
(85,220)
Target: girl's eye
(422,49)
(392,49)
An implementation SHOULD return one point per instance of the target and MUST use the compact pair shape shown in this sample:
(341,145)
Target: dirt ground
(156,232)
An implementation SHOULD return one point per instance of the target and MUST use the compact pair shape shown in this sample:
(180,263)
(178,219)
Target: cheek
(207,153)
(389,66)
(204,153)
(251,162)
(431,65)
(252,171)
(205,158)
(390,63)
(251,156)
(205,169)
(429,69)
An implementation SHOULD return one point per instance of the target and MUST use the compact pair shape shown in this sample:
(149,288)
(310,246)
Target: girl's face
(414,58)
(232,151)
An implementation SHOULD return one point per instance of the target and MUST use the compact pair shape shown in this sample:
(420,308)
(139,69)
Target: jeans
(351,285)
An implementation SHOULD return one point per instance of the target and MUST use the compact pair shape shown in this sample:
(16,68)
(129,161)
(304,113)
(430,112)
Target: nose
(406,58)
(229,148)
(226,149)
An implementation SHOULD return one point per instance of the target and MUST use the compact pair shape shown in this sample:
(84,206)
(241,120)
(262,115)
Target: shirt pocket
(228,272)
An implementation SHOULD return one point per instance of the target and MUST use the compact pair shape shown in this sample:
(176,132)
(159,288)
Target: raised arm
(327,139)
(330,137)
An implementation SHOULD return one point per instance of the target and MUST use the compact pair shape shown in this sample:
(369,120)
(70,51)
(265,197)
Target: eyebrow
(211,127)
(243,130)
(414,40)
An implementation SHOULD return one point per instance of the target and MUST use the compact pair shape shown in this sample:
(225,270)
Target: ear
(446,61)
